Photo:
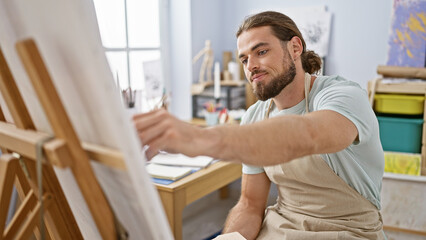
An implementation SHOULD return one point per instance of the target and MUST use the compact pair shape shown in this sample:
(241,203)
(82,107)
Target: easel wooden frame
(64,150)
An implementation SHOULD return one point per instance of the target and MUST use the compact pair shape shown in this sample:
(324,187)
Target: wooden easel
(63,150)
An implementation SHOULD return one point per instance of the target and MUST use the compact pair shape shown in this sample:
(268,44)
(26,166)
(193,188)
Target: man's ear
(296,46)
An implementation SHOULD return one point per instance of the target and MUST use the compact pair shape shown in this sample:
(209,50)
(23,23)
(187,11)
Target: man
(316,138)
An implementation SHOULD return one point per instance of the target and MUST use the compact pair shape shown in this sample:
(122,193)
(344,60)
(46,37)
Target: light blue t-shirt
(361,164)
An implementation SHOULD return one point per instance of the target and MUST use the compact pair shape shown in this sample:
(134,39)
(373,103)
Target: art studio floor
(206,216)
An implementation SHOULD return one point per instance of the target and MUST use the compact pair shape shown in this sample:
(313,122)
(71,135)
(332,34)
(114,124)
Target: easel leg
(21,214)
(25,220)
(64,227)
(33,218)
(224,192)
(7,175)
(24,190)
(12,205)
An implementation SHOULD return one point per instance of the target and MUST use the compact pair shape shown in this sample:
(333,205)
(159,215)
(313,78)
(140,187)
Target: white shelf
(404,177)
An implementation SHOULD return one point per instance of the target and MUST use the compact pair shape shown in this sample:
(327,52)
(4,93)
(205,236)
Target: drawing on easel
(315,29)
(154,85)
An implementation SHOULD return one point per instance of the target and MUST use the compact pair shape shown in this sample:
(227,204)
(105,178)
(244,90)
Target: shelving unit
(402,196)
(417,88)
(232,96)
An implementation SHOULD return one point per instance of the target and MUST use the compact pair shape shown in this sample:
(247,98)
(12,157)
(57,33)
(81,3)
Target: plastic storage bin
(399,104)
(403,163)
(401,134)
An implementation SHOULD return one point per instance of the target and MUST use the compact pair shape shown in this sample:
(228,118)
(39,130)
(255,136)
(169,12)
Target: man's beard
(277,84)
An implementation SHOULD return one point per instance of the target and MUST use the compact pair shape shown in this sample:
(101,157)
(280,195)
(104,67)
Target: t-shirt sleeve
(352,102)
(249,169)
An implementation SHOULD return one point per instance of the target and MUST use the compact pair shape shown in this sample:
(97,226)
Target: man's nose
(252,64)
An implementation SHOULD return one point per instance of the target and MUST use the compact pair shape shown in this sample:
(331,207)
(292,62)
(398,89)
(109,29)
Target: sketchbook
(167,172)
(182,160)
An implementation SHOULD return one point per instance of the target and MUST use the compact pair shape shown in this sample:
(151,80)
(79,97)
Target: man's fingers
(163,127)
(145,114)
(150,153)
(161,131)
(155,146)
(146,120)
(155,131)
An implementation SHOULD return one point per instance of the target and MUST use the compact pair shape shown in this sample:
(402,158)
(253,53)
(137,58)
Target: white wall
(180,54)
(207,24)
(358,41)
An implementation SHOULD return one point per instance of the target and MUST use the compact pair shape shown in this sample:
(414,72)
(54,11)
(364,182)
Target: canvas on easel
(37,185)
(68,39)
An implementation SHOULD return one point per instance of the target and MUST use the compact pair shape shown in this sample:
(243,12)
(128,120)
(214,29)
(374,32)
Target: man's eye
(263,52)
(244,61)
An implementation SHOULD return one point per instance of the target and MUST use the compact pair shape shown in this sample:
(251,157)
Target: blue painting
(407,42)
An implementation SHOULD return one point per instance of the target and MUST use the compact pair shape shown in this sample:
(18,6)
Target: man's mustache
(257,71)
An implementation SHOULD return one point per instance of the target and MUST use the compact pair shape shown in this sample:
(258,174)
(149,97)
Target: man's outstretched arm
(281,139)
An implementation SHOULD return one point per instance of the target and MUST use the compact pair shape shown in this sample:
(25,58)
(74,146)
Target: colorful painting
(407,42)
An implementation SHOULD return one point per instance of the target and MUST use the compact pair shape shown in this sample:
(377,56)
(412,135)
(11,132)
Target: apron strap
(307,89)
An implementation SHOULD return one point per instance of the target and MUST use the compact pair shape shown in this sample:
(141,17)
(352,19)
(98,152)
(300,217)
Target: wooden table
(179,194)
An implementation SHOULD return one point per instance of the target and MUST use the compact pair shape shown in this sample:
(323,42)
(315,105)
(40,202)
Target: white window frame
(163,48)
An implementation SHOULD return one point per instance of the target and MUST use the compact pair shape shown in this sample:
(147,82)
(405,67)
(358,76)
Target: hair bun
(311,62)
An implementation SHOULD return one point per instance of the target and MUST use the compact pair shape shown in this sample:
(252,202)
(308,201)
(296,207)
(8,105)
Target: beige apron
(314,203)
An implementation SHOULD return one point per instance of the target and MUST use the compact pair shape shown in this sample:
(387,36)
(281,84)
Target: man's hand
(161,131)
(247,216)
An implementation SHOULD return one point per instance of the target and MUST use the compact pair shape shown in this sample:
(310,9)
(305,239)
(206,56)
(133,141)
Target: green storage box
(401,134)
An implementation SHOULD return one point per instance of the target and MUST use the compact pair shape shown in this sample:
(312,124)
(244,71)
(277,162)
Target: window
(130,32)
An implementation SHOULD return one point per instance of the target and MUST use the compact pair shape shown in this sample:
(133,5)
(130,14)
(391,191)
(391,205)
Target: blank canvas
(68,38)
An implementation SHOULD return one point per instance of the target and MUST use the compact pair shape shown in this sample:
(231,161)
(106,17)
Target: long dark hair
(284,29)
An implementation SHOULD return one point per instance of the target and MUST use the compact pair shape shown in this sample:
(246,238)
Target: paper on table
(167,172)
(182,160)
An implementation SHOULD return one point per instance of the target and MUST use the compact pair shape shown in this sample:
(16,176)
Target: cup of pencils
(211,113)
